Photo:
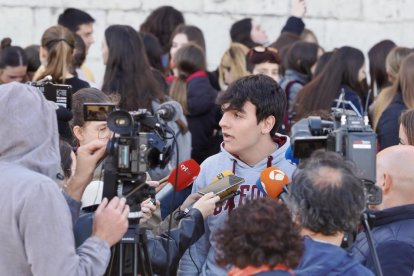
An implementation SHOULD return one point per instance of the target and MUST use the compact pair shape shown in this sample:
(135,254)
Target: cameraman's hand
(298,8)
(147,209)
(206,204)
(111,220)
(87,157)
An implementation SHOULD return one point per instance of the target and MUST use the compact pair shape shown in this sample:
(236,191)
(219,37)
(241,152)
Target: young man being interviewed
(253,109)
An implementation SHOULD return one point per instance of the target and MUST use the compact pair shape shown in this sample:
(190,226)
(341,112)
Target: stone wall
(358,23)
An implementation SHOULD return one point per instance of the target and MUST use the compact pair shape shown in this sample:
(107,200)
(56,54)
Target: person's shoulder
(398,247)
(357,269)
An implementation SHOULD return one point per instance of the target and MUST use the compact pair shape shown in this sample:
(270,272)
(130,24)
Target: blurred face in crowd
(319,54)
(228,76)
(362,73)
(91,131)
(403,136)
(178,41)
(257,34)
(15,73)
(268,69)
(105,51)
(86,32)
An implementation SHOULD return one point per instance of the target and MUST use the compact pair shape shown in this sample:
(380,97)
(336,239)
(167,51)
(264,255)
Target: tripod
(131,255)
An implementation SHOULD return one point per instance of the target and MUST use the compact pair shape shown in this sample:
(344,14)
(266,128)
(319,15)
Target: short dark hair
(242,244)
(72,18)
(325,194)
(240,32)
(263,92)
(259,54)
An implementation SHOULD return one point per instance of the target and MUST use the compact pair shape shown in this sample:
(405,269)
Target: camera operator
(326,199)
(37,235)
(393,220)
(187,229)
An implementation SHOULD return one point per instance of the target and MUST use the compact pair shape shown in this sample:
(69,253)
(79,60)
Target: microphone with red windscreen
(188,171)
(272,182)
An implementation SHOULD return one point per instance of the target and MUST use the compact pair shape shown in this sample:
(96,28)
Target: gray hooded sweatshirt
(36,233)
(200,258)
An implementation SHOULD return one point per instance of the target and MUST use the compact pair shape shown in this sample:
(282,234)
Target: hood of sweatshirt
(29,131)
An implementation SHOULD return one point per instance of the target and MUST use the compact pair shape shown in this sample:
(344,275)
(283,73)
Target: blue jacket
(393,231)
(326,259)
(388,127)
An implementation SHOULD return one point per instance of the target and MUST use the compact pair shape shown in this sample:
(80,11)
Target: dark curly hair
(325,194)
(261,232)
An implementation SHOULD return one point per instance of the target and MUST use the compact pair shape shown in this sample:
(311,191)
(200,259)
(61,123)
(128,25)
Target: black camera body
(138,145)
(61,94)
(347,134)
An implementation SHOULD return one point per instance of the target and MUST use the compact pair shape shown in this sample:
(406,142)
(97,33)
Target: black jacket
(388,127)
(202,118)
(393,233)
(189,230)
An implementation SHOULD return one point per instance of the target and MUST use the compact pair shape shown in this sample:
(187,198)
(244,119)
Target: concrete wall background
(358,23)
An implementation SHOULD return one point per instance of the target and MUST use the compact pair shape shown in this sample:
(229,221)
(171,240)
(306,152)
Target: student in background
(13,62)
(56,54)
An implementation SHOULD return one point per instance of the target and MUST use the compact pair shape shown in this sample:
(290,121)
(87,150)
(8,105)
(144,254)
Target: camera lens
(122,122)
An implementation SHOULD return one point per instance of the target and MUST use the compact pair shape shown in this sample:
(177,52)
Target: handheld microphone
(289,156)
(170,111)
(272,182)
(188,170)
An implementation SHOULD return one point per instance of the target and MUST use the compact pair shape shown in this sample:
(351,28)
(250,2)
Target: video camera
(61,94)
(139,143)
(347,134)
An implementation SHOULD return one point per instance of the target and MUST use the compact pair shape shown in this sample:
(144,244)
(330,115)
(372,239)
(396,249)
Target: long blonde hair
(59,43)
(403,85)
(394,60)
(234,60)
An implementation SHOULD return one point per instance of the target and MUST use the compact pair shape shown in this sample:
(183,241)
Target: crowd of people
(57,219)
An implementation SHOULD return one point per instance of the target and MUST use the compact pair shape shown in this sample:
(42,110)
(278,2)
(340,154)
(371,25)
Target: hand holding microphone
(187,173)
(206,204)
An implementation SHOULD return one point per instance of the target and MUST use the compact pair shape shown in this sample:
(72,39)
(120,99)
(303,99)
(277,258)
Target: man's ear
(78,132)
(268,123)
(386,184)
